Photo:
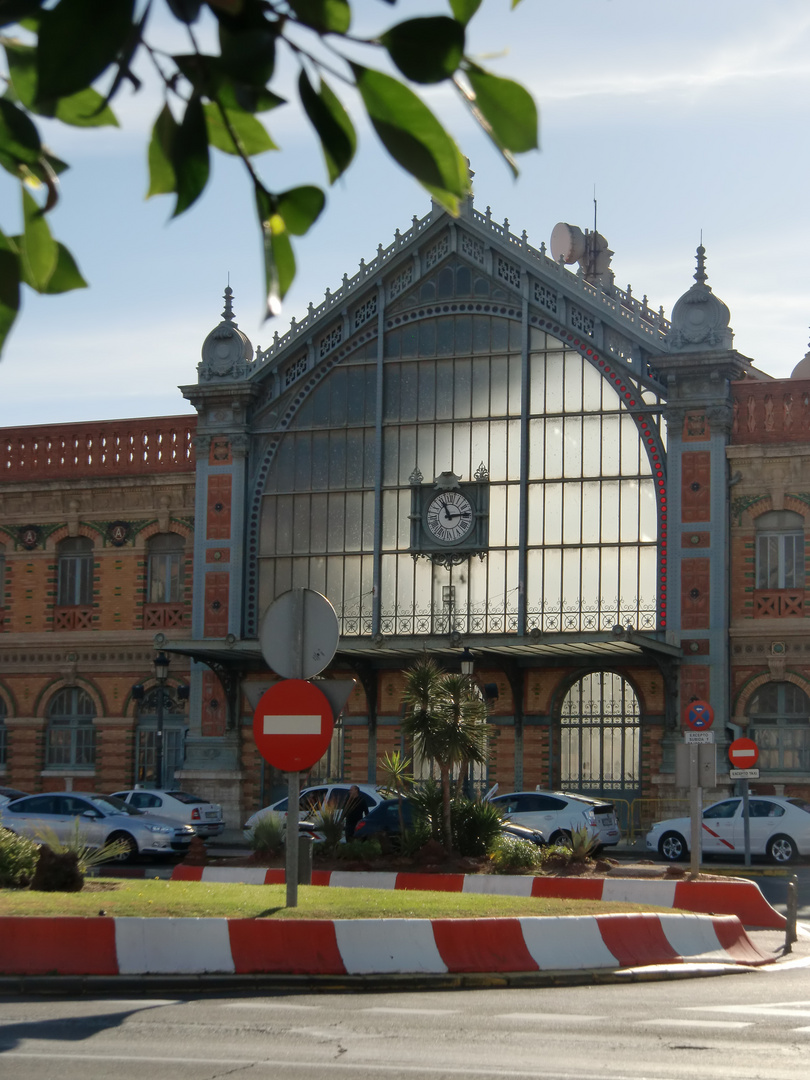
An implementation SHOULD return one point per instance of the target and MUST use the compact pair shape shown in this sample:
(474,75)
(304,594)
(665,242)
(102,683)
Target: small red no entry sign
(743,753)
(292,725)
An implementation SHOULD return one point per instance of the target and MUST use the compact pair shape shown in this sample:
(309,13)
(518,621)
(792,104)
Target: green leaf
(508,108)
(426,50)
(187,11)
(300,208)
(190,156)
(325,16)
(9,286)
(85,109)
(463,10)
(78,40)
(413,136)
(250,133)
(19,138)
(279,260)
(248,55)
(66,275)
(332,123)
(162,179)
(39,251)
(22,70)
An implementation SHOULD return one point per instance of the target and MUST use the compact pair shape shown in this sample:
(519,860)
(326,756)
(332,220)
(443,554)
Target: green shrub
(86,855)
(427,800)
(267,835)
(583,846)
(476,826)
(328,820)
(18,860)
(556,855)
(360,849)
(510,854)
(416,837)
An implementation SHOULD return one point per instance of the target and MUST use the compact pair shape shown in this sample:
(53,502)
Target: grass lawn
(156,898)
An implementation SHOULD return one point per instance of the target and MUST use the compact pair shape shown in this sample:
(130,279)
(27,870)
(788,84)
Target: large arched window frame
(71,736)
(600,735)
(779,723)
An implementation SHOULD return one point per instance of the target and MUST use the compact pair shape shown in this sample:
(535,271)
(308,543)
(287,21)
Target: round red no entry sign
(293,724)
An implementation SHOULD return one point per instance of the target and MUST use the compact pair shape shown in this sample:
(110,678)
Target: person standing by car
(354,810)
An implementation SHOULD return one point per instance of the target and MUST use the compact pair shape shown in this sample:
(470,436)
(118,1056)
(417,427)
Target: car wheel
(672,847)
(131,847)
(561,838)
(781,849)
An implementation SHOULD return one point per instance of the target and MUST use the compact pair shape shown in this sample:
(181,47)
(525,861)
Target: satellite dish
(567,243)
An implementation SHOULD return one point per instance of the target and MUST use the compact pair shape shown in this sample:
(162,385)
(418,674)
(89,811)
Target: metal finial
(700,273)
(227,314)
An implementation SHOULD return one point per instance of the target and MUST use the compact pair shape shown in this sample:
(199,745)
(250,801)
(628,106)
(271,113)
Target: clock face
(450,517)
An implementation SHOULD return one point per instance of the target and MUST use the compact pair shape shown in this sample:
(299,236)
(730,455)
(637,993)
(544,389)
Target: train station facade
(467,445)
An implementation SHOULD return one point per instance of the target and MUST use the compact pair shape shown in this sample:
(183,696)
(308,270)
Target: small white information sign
(698,736)
(743,774)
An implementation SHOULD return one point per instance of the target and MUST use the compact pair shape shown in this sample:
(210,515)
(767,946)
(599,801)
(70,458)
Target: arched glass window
(779,715)
(780,550)
(71,737)
(600,735)
(146,735)
(75,572)
(165,578)
(3,733)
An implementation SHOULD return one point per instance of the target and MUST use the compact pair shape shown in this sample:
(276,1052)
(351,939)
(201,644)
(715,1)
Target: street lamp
(161,666)
(467,663)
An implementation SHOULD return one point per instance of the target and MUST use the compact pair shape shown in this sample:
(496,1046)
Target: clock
(450,517)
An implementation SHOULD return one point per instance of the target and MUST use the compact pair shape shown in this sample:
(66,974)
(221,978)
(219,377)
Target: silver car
(559,813)
(101,818)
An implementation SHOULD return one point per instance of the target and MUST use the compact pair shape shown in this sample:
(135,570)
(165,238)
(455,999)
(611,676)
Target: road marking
(547,1017)
(410,1012)
(796,1009)
(270,1005)
(668,1021)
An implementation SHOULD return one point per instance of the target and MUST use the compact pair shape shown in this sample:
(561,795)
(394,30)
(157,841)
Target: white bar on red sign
(745,755)
(292,725)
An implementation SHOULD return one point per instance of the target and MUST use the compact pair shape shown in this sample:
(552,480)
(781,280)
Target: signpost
(294,720)
(743,755)
(292,727)
(698,716)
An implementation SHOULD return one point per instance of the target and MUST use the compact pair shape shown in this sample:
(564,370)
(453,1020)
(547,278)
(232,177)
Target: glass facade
(572,506)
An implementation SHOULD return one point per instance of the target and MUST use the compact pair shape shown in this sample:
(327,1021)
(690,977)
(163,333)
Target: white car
(101,819)
(312,797)
(778,828)
(557,814)
(205,818)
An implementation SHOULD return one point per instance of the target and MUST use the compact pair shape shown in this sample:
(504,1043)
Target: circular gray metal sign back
(299,634)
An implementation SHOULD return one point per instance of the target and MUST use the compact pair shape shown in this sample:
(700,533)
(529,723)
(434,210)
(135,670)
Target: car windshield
(109,804)
(184,797)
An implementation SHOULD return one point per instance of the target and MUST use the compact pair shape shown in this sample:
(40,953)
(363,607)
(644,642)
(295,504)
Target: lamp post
(467,663)
(161,666)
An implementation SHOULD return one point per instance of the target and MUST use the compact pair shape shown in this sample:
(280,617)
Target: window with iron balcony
(779,565)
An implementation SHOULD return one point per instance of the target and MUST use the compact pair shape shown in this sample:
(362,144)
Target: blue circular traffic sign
(699,715)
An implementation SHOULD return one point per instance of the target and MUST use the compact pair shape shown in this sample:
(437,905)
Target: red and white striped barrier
(130,946)
(741,898)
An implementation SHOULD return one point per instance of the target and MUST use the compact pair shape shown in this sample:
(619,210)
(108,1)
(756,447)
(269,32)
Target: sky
(687,118)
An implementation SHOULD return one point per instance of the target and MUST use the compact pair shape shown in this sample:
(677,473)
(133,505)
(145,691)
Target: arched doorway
(600,739)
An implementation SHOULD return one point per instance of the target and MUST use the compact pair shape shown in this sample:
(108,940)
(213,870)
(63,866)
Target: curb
(741,898)
(104,947)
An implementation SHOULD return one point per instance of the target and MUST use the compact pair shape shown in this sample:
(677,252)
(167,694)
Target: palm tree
(445,718)
(394,774)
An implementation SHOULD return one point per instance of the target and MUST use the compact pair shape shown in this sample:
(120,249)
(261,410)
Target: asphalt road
(749,1025)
